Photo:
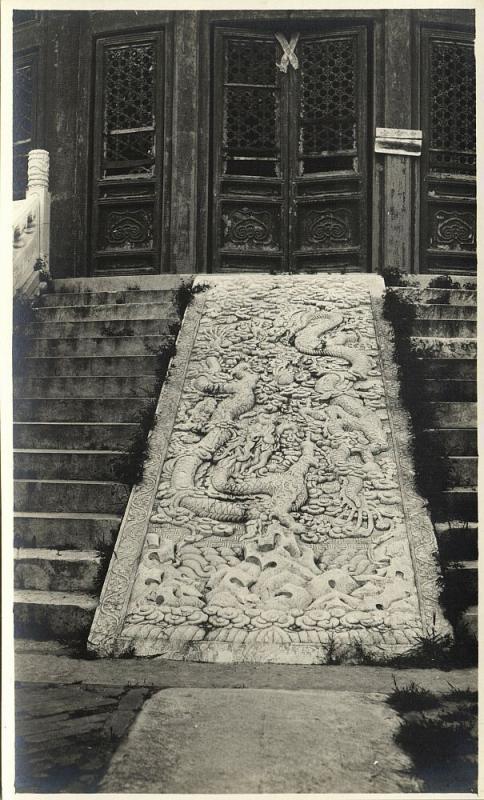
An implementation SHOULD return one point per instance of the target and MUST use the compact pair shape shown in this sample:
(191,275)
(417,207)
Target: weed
(113,329)
(394,277)
(23,311)
(411,698)
(443,282)
(443,749)
(128,651)
(106,553)
(132,465)
(185,295)
(438,651)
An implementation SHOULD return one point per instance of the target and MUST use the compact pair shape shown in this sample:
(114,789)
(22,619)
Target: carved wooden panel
(455,230)
(125,228)
(448,207)
(248,228)
(290,124)
(326,227)
(128,153)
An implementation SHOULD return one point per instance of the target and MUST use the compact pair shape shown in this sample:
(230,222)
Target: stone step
(77,465)
(110,312)
(453,415)
(119,283)
(110,386)
(453,441)
(447,328)
(459,279)
(470,620)
(103,298)
(48,570)
(69,531)
(95,329)
(455,297)
(445,311)
(94,409)
(464,391)
(434,347)
(455,503)
(457,541)
(103,497)
(51,615)
(74,436)
(462,470)
(462,577)
(104,346)
(101,366)
(450,368)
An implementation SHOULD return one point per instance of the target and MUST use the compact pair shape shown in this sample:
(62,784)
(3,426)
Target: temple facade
(261,141)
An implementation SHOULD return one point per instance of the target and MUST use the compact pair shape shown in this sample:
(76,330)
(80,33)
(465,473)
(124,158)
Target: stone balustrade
(31,226)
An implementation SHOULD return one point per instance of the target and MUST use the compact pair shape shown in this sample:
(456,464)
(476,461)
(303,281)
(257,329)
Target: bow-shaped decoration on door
(289,56)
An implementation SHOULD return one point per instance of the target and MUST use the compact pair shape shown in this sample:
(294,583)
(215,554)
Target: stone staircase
(83,393)
(444,341)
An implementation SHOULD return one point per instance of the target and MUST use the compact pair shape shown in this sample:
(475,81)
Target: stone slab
(244,741)
(50,661)
(277,519)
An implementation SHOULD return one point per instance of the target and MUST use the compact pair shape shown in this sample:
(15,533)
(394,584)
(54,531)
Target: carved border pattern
(420,531)
(110,613)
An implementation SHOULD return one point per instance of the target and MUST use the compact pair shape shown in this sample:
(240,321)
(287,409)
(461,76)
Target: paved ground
(66,734)
(256,741)
(51,662)
(95,725)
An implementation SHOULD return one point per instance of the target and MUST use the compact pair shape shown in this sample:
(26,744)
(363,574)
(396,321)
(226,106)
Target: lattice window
(24,87)
(328,108)
(452,107)
(251,106)
(129,109)
(249,61)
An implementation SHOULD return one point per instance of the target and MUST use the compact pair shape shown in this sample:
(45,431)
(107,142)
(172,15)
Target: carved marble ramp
(277,519)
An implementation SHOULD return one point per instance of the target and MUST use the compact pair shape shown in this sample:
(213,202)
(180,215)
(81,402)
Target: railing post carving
(38,184)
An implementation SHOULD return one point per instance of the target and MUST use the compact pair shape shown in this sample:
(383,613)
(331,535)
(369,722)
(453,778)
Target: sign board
(398,141)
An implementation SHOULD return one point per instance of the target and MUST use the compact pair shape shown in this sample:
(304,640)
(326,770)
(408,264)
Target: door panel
(250,189)
(128,154)
(448,216)
(328,151)
(290,144)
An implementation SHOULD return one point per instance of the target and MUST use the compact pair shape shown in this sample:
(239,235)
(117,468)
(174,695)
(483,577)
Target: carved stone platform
(277,519)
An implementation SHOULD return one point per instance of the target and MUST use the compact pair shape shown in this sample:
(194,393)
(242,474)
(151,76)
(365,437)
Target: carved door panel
(126,235)
(290,151)
(448,207)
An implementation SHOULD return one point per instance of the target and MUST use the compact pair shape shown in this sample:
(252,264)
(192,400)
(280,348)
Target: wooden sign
(398,141)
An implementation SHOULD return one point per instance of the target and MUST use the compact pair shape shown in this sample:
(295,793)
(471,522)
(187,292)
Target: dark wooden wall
(65,42)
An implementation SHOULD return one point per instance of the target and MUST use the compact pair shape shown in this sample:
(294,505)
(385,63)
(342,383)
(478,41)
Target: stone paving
(90,726)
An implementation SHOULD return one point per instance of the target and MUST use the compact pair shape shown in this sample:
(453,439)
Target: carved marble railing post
(38,184)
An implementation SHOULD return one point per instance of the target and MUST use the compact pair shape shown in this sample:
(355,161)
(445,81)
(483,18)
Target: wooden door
(448,235)
(290,151)
(128,154)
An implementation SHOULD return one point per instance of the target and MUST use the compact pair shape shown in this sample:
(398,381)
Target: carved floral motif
(454,230)
(128,229)
(248,228)
(327,228)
